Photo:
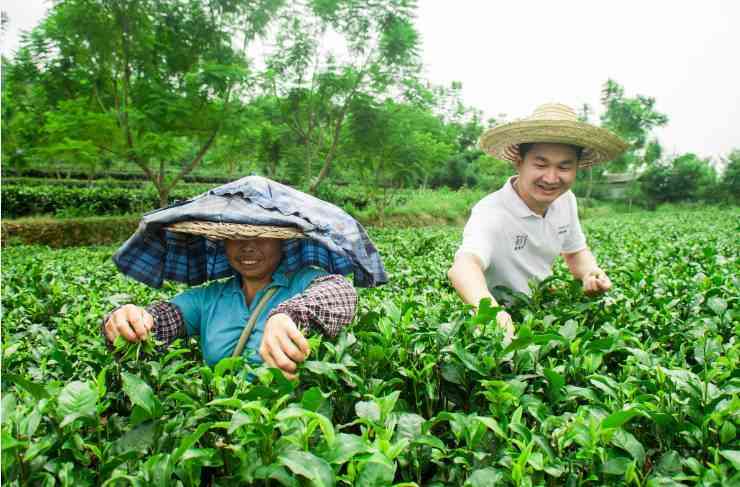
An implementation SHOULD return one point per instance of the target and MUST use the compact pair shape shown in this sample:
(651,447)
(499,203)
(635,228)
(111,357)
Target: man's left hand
(596,282)
(283,345)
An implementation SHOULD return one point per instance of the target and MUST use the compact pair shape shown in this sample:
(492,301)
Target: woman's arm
(327,305)
(164,320)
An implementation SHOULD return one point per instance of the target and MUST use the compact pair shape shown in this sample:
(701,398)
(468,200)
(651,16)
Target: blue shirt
(218,311)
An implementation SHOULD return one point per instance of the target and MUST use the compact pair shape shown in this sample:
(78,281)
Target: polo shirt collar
(514,202)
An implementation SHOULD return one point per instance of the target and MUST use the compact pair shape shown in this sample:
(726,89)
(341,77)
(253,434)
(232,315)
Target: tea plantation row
(636,387)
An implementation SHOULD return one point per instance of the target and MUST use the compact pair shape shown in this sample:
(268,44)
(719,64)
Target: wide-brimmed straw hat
(234,231)
(553,123)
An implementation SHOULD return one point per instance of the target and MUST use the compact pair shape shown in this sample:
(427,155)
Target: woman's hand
(283,345)
(129,321)
(595,282)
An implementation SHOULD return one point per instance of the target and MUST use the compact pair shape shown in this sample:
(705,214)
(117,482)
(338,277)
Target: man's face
(254,258)
(547,171)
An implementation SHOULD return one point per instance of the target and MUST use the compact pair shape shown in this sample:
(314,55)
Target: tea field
(636,387)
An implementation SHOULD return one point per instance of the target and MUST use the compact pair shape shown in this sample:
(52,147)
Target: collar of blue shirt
(280,278)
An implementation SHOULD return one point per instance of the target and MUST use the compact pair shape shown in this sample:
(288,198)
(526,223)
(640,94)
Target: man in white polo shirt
(515,234)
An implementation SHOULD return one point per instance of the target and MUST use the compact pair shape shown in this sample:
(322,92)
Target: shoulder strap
(247,332)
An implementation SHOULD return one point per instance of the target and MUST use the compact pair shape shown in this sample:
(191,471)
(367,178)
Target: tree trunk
(164,196)
(330,155)
(590,184)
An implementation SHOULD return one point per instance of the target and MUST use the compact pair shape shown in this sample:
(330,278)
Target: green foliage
(636,387)
(371,55)
(685,178)
(395,145)
(134,182)
(730,184)
(632,119)
(24,200)
(152,83)
(72,232)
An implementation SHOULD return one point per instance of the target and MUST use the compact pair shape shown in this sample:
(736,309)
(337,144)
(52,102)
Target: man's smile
(547,189)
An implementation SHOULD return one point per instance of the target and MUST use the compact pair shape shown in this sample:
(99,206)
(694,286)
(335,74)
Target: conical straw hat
(234,231)
(553,123)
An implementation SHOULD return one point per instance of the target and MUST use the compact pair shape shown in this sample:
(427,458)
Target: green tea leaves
(309,466)
(141,395)
(77,400)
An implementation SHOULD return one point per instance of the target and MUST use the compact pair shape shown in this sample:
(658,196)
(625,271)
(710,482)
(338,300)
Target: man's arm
(583,266)
(466,275)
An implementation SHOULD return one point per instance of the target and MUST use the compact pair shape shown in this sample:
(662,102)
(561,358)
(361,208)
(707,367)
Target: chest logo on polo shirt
(520,242)
(562,229)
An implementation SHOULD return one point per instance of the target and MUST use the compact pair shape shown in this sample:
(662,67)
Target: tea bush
(636,387)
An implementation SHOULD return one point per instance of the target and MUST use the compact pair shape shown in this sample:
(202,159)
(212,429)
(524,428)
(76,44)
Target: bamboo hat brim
(234,231)
(553,123)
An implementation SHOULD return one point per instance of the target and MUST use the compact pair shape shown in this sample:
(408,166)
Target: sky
(513,56)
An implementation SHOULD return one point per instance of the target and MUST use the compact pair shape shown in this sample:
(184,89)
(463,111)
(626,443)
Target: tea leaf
(309,466)
(77,400)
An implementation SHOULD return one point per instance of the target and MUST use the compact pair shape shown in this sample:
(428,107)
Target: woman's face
(254,258)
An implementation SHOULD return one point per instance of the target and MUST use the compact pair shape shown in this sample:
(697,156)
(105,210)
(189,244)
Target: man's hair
(527,146)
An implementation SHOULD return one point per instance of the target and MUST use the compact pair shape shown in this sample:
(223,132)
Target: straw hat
(553,123)
(234,231)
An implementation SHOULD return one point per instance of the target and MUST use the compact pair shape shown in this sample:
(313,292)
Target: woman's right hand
(131,322)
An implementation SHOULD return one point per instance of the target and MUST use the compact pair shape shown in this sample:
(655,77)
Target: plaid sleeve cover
(169,324)
(327,305)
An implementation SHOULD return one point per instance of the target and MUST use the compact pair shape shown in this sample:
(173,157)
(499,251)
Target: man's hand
(129,321)
(595,282)
(503,319)
(283,345)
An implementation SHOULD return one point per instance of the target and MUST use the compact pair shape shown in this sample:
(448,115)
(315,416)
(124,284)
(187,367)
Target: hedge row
(24,200)
(123,176)
(99,183)
(68,233)
(21,201)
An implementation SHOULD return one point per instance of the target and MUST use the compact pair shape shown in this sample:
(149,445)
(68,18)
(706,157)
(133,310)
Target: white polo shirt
(514,243)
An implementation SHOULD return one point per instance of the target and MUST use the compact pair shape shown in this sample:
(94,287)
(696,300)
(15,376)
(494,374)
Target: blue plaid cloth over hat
(335,241)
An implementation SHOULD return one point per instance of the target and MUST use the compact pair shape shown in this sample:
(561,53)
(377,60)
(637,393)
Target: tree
(730,183)
(462,126)
(584,115)
(684,178)
(145,81)
(633,119)
(327,54)
(24,102)
(396,145)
